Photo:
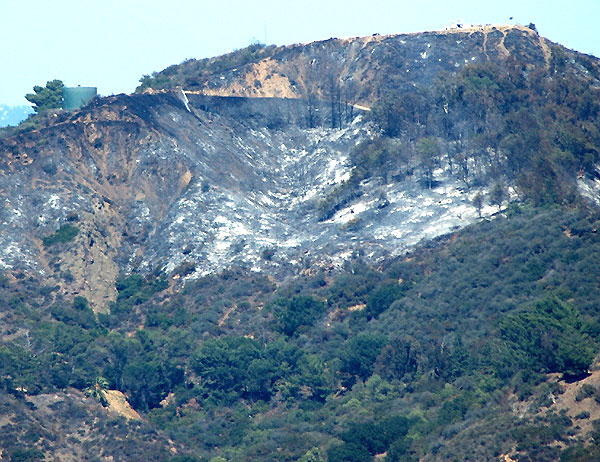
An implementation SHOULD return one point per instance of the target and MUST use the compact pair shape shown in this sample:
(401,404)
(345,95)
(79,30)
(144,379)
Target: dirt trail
(225,316)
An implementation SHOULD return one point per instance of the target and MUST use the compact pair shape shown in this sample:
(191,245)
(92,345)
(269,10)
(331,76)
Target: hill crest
(312,69)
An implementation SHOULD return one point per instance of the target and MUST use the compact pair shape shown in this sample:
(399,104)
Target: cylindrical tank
(76,97)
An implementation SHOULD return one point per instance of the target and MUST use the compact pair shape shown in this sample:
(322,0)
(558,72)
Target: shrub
(64,234)
(359,354)
(382,298)
(298,312)
(27,455)
(586,391)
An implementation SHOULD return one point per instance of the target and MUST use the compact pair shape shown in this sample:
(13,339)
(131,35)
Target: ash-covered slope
(153,186)
(191,183)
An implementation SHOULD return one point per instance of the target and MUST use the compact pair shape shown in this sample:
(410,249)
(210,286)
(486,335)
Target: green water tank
(76,97)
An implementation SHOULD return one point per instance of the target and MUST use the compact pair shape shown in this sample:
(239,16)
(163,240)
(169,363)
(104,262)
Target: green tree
(359,354)
(549,337)
(349,452)
(64,234)
(382,298)
(48,97)
(497,195)
(260,377)
(233,367)
(298,312)
(398,358)
(147,381)
(368,435)
(98,390)
(313,455)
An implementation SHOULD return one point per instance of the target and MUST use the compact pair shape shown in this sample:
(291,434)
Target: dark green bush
(27,455)
(359,354)
(382,298)
(297,313)
(66,233)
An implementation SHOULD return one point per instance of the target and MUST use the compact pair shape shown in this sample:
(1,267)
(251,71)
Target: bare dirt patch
(118,403)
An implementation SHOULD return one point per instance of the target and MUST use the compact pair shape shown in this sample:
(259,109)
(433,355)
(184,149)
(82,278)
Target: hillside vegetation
(438,348)
(480,344)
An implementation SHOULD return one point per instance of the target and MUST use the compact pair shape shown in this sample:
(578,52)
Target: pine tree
(48,97)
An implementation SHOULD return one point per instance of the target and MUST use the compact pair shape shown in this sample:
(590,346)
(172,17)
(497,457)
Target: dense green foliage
(364,440)
(549,337)
(233,367)
(297,312)
(62,235)
(48,97)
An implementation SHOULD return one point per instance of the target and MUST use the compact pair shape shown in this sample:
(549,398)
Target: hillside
(379,248)
(235,367)
(359,68)
(156,183)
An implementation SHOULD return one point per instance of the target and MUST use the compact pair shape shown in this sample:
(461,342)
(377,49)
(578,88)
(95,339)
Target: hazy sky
(110,44)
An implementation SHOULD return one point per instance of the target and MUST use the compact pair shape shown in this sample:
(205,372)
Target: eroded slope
(153,186)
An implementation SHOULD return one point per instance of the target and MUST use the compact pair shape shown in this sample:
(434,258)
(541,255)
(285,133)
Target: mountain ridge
(126,166)
(311,279)
(487,42)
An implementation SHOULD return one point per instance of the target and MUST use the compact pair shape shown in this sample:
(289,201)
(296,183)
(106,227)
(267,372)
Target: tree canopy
(48,97)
